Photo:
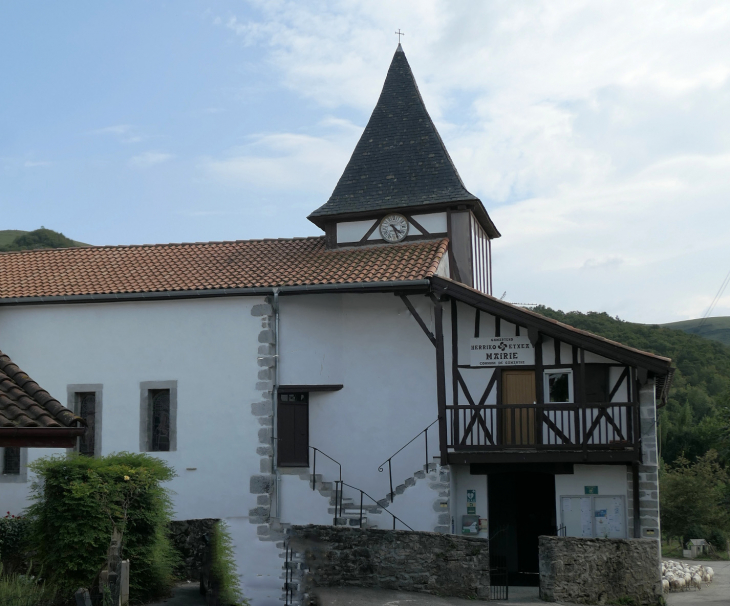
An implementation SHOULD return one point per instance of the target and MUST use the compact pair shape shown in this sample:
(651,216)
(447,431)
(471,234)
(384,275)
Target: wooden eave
(654,364)
(40,437)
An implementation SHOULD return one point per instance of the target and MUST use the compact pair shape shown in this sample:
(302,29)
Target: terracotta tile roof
(210,265)
(24,404)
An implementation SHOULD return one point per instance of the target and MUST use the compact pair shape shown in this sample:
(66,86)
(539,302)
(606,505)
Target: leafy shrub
(223,567)
(78,502)
(692,497)
(24,590)
(718,539)
(13,542)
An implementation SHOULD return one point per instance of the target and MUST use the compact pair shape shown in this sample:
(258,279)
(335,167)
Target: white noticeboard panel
(609,517)
(501,351)
(594,516)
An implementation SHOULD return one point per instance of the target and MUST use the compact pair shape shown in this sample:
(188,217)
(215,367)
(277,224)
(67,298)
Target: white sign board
(502,351)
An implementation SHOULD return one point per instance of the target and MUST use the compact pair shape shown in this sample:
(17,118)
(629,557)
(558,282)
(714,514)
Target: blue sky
(596,133)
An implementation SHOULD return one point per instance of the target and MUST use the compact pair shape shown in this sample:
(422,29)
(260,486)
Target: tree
(692,497)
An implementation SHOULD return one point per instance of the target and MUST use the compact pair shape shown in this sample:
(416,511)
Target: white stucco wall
(207,346)
(372,346)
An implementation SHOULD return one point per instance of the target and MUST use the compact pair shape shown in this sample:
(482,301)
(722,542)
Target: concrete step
(348,521)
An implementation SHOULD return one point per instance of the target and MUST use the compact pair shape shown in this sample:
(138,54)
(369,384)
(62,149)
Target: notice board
(594,516)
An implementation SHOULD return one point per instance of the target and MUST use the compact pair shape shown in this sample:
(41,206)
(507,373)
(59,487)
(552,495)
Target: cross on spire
(399,34)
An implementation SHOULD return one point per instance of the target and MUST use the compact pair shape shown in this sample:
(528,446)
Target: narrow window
(293,430)
(160,420)
(86,406)
(11,461)
(559,385)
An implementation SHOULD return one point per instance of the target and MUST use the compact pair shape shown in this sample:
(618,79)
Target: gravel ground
(352,596)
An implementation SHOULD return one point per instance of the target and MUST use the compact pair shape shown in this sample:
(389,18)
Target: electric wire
(715,301)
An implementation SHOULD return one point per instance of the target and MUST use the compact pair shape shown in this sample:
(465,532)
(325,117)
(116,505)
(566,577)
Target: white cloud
(35,164)
(288,161)
(149,158)
(126,133)
(117,129)
(595,132)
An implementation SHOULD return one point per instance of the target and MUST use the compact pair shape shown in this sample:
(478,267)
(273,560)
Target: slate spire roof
(400,160)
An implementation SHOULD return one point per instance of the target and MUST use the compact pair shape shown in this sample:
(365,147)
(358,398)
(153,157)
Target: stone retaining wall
(189,539)
(599,571)
(426,562)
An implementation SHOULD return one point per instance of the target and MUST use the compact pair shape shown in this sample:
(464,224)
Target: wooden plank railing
(603,426)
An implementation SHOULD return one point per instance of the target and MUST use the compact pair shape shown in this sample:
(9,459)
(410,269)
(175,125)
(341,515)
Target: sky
(596,133)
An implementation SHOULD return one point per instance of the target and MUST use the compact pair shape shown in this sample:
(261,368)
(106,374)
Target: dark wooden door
(293,430)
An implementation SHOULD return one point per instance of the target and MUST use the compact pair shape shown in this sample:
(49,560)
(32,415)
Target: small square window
(559,386)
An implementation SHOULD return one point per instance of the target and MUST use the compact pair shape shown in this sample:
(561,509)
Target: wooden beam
(308,388)
(607,457)
(455,367)
(441,379)
(40,437)
(417,225)
(418,318)
(369,232)
(531,320)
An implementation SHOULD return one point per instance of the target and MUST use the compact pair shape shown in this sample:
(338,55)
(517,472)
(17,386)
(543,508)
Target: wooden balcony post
(441,379)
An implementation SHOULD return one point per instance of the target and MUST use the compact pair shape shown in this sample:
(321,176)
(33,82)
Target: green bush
(13,542)
(79,501)
(223,567)
(24,590)
(718,539)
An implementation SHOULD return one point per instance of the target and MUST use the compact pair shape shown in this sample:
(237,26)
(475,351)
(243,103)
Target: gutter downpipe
(275,400)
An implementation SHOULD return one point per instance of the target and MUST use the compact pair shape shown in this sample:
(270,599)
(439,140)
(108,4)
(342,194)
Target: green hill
(697,413)
(14,239)
(717,329)
(8,235)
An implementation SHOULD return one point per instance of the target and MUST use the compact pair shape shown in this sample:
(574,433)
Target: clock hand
(395,231)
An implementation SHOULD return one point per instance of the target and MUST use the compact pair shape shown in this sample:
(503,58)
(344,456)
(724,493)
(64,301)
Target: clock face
(394,227)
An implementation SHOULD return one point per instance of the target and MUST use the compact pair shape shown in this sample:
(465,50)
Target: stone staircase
(439,480)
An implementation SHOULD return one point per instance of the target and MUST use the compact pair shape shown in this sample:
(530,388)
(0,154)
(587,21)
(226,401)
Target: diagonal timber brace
(418,318)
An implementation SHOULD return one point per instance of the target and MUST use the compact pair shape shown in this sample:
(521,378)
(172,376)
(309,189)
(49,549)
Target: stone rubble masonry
(648,469)
(599,571)
(426,562)
(189,540)
(264,485)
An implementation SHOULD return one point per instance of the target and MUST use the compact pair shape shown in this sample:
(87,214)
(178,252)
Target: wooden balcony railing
(602,426)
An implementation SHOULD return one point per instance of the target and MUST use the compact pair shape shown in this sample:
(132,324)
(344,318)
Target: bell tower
(401,185)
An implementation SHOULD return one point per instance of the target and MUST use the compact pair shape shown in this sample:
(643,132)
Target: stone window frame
(74,404)
(19,478)
(145,414)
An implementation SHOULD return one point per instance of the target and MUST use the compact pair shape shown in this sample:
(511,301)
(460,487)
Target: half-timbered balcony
(557,427)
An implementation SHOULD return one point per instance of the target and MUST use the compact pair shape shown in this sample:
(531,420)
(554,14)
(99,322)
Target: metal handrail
(362,492)
(338,497)
(388,460)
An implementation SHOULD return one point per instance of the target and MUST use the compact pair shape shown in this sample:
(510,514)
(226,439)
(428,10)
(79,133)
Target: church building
(287,379)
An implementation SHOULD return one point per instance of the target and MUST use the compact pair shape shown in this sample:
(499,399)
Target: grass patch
(24,590)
